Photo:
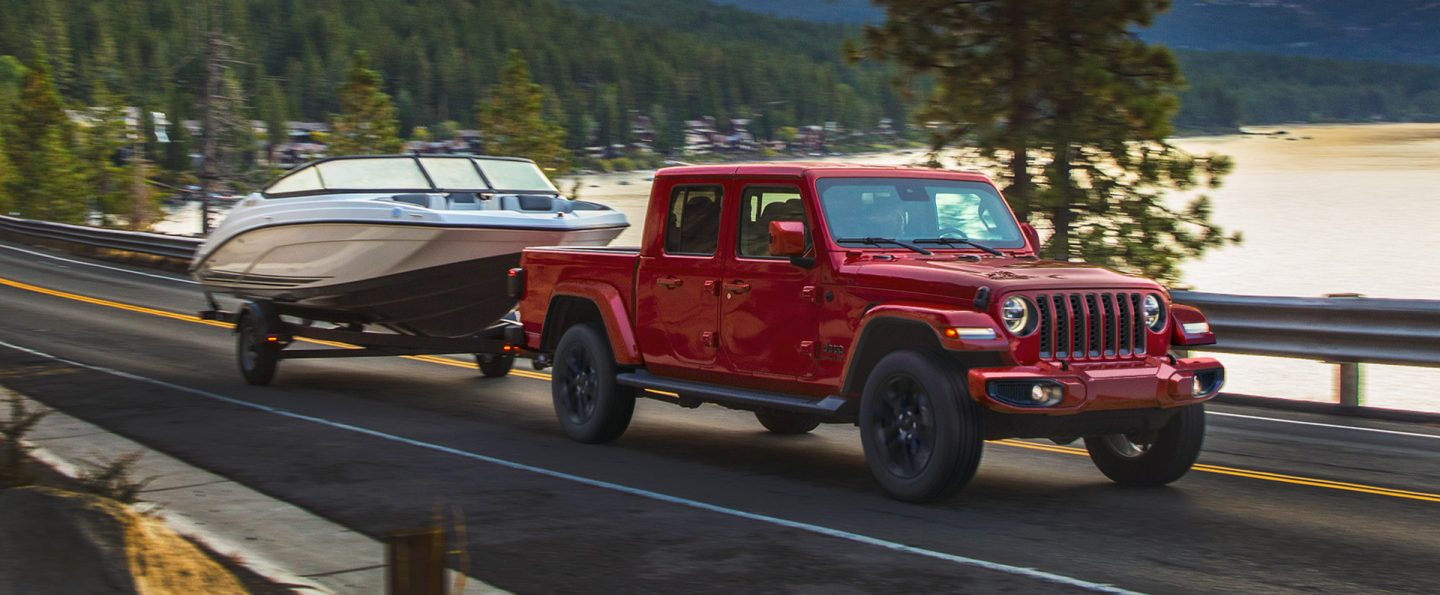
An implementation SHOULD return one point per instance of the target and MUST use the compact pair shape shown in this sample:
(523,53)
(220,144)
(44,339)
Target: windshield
(907,209)
(412,174)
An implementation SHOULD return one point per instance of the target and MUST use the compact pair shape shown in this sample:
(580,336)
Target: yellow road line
(1052,448)
(1252,474)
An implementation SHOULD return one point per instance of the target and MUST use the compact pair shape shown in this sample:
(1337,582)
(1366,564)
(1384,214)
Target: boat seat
(464,201)
(535,203)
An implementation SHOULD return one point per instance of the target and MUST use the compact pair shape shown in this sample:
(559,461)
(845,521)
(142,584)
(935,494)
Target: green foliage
(13,450)
(1227,88)
(512,122)
(366,123)
(12,76)
(1075,110)
(48,182)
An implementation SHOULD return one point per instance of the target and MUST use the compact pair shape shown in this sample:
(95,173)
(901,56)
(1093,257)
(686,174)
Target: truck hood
(949,275)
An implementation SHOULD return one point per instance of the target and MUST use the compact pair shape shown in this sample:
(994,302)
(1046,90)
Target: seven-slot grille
(1090,325)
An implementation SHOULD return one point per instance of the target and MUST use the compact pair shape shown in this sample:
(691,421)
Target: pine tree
(366,122)
(103,139)
(512,121)
(48,183)
(1025,82)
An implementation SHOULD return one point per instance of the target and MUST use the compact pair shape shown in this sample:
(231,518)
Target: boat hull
(433,280)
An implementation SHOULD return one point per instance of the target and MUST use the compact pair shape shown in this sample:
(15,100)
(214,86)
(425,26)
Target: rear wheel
(921,432)
(1151,458)
(494,366)
(257,357)
(592,407)
(785,422)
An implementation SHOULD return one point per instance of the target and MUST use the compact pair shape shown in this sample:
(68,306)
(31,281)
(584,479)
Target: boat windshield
(412,174)
(935,212)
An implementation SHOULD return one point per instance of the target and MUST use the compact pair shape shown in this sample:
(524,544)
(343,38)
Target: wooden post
(415,562)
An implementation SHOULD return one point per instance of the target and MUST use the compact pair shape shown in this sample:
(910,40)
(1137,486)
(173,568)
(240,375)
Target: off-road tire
(933,451)
(591,406)
(1167,453)
(785,422)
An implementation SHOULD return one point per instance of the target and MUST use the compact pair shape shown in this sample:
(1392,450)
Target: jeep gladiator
(907,301)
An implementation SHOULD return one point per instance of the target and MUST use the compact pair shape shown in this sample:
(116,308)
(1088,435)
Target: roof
(816,169)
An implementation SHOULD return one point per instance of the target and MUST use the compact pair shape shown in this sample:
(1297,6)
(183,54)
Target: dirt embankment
(55,542)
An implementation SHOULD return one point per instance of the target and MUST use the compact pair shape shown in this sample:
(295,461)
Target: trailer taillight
(515,283)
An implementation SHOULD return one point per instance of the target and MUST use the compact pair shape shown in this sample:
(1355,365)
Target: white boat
(416,243)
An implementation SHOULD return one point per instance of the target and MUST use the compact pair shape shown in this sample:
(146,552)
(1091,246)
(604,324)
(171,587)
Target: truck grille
(1093,326)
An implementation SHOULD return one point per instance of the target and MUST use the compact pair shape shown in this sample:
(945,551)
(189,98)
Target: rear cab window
(692,223)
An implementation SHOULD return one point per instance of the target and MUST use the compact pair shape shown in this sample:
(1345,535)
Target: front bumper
(1156,382)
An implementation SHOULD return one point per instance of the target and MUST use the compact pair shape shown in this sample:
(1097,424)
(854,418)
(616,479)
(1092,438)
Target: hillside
(1386,31)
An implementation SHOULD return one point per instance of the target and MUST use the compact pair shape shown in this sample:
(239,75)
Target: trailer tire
(592,407)
(494,366)
(256,357)
(1153,458)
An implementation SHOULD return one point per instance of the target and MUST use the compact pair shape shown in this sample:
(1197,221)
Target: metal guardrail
(1343,330)
(153,244)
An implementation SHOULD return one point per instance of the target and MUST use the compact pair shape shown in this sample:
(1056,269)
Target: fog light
(1045,394)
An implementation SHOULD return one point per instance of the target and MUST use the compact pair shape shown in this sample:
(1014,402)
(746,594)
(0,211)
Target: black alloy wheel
(591,406)
(921,431)
(1152,458)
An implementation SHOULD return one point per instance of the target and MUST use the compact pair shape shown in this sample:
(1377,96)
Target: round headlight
(1015,313)
(1154,313)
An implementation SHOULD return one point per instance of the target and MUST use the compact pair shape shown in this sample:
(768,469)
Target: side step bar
(831,406)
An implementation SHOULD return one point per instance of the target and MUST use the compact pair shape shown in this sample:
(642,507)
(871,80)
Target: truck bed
(610,268)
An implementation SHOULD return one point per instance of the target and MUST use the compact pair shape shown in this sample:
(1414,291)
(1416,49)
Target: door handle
(737,287)
(669,282)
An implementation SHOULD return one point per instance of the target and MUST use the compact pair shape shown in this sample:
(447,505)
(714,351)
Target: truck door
(769,308)
(678,288)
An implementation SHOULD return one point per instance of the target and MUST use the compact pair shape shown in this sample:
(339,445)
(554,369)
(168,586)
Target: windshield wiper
(874,241)
(952,240)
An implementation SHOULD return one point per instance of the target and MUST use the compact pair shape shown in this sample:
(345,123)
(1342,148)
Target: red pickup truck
(907,301)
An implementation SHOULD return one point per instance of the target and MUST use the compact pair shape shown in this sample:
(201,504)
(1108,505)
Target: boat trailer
(263,337)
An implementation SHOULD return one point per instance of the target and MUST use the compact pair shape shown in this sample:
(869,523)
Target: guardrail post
(1347,374)
(1347,383)
(415,562)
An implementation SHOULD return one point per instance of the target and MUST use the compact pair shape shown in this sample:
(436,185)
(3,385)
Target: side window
(758,208)
(693,222)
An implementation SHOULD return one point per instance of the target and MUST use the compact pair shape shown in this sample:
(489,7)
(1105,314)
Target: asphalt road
(704,500)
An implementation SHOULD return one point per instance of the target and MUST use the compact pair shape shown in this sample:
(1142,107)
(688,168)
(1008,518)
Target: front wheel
(921,432)
(257,358)
(592,407)
(1151,458)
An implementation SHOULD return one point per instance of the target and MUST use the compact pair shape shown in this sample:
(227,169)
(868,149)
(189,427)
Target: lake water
(1323,209)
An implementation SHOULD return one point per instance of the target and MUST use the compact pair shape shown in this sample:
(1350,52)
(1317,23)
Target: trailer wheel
(257,357)
(921,431)
(785,422)
(592,407)
(494,366)
(1151,458)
